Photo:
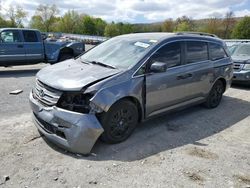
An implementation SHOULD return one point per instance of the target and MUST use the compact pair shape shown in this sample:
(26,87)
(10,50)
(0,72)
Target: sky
(139,11)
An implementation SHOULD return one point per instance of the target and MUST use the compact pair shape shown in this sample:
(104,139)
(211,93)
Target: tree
(70,22)
(213,26)
(111,30)
(45,17)
(16,16)
(100,26)
(89,26)
(124,28)
(183,26)
(184,23)
(242,29)
(228,24)
(167,26)
(4,23)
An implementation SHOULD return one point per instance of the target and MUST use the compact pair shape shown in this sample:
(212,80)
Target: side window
(216,52)
(30,36)
(196,52)
(10,36)
(169,54)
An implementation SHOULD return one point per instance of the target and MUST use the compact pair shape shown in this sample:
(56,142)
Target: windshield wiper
(102,64)
(85,62)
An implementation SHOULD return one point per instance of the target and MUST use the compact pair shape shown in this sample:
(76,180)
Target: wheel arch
(224,82)
(66,50)
(136,102)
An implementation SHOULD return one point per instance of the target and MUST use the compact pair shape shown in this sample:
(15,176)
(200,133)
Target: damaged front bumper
(72,131)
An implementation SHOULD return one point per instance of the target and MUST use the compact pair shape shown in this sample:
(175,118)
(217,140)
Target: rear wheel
(119,122)
(215,95)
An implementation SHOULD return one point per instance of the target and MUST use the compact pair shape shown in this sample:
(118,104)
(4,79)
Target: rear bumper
(242,76)
(72,131)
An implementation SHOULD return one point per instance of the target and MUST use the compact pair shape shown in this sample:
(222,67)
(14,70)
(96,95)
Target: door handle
(184,76)
(20,46)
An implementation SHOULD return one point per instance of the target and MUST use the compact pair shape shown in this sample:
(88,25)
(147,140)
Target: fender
(132,88)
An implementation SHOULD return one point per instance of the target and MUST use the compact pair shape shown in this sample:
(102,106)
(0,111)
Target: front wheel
(119,122)
(215,95)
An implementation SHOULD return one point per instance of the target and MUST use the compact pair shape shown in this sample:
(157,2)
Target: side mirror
(44,36)
(158,67)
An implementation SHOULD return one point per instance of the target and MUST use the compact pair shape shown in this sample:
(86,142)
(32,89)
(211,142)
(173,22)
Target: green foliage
(4,23)
(46,19)
(99,26)
(89,26)
(111,30)
(183,26)
(168,26)
(70,22)
(242,29)
(184,23)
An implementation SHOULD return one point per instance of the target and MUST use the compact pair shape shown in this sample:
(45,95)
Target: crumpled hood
(240,58)
(72,75)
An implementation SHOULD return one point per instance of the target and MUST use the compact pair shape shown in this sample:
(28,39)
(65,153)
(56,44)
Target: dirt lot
(196,147)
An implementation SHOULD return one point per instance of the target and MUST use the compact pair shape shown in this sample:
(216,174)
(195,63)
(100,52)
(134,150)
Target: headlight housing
(246,67)
(75,101)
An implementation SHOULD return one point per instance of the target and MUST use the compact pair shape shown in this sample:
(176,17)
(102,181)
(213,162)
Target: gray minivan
(109,89)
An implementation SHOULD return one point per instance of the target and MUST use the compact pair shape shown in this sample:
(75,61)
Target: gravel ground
(195,147)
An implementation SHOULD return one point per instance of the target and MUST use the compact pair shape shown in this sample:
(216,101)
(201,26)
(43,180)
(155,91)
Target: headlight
(75,101)
(246,67)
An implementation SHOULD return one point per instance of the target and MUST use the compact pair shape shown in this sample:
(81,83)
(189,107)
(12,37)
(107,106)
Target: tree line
(46,19)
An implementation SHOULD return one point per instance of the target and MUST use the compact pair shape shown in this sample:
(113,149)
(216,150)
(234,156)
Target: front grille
(46,95)
(237,67)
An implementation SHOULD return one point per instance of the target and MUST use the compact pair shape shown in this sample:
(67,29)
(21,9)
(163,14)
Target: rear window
(216,52)
(30,36)
(196,52)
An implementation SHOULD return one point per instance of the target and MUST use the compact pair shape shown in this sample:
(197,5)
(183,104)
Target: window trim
(177,40)
(210,54)
(185,58)
(181,55)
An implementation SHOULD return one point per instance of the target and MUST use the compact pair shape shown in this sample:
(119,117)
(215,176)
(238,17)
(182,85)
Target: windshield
(119,52)
(243,50)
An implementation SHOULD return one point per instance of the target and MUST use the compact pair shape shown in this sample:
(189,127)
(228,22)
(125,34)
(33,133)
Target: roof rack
(197,33)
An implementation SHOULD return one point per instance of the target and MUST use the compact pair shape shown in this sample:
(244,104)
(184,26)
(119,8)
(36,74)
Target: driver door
(11,48)
(165,89)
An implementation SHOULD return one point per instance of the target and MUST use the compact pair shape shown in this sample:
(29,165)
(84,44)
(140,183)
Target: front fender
(106,97)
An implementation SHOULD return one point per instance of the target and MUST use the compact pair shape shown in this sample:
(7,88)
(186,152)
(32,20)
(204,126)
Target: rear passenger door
(200,69)
(33,45)
(12,51)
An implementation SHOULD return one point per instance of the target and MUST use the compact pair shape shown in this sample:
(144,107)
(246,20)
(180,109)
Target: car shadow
(171,131)
(241,86)
(18,73)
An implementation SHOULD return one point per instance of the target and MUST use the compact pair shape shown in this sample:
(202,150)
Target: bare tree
(228,24)
(16,16)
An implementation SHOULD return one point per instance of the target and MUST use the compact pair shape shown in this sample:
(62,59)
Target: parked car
(125,80)
(27,46)
(241,59)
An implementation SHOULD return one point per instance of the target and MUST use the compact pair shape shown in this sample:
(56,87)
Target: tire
(119,122)
(215,95)
(63,57)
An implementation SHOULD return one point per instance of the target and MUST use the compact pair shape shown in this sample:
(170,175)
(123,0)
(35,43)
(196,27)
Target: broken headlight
(75,101)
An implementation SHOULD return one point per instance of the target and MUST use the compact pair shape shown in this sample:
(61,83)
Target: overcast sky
(140,11)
